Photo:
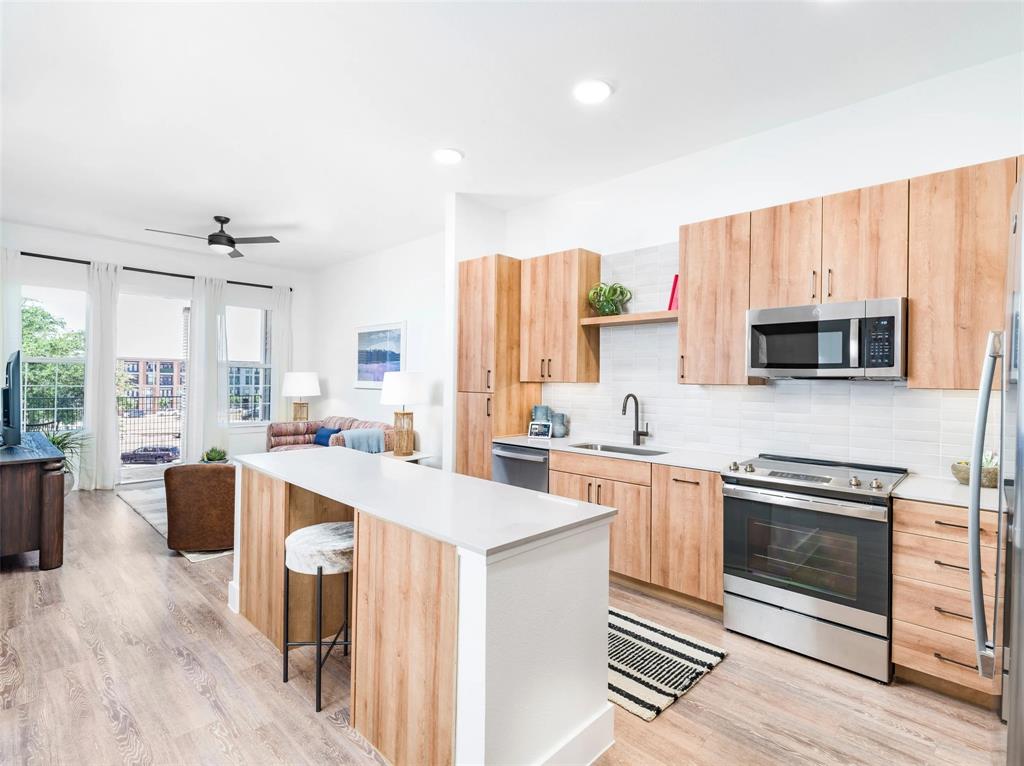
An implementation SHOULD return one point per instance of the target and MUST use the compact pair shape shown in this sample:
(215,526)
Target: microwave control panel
(880,341)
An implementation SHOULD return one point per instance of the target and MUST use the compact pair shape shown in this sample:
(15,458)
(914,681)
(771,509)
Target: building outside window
(249,394)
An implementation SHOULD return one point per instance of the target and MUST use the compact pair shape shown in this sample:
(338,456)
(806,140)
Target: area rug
(650,666)
(151,504)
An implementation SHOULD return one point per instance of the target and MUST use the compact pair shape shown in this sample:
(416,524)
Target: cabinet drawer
(937,607)
(941,655)
(942,562)
(616,469)
(947,522)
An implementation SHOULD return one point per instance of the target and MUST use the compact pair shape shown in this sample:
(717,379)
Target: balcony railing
(150,428)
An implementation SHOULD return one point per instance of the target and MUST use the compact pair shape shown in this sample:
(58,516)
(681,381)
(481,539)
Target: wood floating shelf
(645,317)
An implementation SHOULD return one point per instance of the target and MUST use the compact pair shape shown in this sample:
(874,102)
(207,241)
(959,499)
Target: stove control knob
(734,466)
(749,468)
(876,483)
(854,481)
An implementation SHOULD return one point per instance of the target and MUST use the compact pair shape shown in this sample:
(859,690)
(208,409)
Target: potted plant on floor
(71,444)
(215,455)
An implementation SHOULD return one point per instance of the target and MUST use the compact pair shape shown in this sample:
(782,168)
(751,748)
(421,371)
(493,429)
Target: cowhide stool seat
(320,549)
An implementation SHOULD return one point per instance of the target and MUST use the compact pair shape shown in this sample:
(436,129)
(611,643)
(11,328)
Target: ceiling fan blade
(176,234)
(236,254)
(256,240)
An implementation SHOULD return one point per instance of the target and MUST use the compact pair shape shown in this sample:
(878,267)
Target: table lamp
(298,385)
(404,388)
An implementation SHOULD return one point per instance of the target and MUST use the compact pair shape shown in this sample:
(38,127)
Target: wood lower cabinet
(554,347)
(686,532)
(864,236)
(785,255)
(959,226)
(714,284)
(474,434)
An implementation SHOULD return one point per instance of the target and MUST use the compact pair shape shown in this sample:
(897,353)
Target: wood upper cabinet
(686,532)
(488,324)
(474,433)
(785,255)
(864,243)
(959,225)
(554,348)
(714,279)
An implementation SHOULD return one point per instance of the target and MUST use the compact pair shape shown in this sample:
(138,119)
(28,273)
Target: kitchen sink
(616,448)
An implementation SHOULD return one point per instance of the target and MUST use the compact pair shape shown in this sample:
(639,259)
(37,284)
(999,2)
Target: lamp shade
(300,384)
(404,388)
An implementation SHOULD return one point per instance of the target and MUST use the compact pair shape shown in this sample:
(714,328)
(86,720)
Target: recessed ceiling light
(592,91)
(448,156)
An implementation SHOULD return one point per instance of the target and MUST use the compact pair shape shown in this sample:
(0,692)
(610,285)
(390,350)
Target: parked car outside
(151,455)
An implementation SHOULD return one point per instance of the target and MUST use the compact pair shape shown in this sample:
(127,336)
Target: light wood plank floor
(128,654)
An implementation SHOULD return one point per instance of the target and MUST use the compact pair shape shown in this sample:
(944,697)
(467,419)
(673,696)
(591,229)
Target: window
(249,394)
(166,380)
(53,358)
(132,367)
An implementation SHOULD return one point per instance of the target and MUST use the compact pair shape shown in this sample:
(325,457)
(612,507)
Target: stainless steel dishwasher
(520,466)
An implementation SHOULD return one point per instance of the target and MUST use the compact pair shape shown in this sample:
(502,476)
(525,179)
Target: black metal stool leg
(284,643)
(319,630)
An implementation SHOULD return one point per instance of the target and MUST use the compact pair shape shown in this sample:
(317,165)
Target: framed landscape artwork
(379,349)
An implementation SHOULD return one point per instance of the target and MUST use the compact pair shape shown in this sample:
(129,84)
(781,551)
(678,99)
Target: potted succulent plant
(71,444)
(215,455)
(608,300)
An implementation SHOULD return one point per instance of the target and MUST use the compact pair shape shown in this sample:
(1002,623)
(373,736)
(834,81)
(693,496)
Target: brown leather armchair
(200,507)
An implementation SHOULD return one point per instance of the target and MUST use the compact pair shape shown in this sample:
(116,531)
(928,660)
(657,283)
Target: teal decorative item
(558,425)
(541,412)
(608,300)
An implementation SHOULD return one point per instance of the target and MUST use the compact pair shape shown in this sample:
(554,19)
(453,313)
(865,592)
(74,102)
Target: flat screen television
(10,403)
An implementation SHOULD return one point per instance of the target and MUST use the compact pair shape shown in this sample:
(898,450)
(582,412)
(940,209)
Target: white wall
(401,284)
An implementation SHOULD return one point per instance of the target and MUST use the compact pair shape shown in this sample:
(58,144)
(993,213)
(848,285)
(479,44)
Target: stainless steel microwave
(858,339)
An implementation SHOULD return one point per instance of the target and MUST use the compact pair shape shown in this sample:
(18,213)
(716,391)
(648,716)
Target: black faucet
(637,433)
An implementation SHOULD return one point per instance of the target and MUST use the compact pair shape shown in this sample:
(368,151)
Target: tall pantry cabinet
(491,401)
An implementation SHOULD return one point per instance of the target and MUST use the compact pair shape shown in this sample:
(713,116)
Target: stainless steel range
(807,558)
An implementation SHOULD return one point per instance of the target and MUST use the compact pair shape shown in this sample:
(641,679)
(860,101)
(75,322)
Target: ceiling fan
(222,242)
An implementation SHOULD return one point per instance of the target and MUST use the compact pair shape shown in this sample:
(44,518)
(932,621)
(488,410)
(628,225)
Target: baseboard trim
(949,688)
(233,596)
(664,594)
(588,743)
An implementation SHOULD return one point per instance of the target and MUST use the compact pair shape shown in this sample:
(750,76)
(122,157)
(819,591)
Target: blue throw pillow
(323,436)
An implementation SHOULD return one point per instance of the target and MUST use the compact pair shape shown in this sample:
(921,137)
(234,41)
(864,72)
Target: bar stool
(318,550)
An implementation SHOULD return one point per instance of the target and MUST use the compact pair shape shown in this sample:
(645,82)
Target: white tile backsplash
(876,422)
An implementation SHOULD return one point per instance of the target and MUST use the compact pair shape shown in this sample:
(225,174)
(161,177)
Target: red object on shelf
(673,299)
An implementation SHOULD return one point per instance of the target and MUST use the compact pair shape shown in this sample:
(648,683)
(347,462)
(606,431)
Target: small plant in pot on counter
(608,300)
(215,455)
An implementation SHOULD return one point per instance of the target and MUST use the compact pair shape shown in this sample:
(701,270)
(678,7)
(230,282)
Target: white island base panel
(532,682)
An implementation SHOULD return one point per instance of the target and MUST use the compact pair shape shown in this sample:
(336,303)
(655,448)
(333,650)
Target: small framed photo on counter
(539,429)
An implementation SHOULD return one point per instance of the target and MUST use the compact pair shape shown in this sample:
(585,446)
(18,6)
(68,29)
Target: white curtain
(206,404)
(101,463)
(280,349)
(10,304)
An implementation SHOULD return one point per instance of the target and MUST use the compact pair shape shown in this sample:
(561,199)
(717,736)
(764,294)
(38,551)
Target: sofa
(298,434)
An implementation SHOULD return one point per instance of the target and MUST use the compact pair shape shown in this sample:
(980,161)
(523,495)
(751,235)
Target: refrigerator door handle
(984,648)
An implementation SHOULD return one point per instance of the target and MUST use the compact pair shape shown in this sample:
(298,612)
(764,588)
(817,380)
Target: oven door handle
(808,503)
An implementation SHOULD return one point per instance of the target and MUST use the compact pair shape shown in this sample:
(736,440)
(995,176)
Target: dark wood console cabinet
(32,500)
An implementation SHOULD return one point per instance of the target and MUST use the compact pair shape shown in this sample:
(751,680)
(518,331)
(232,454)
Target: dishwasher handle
(539,456)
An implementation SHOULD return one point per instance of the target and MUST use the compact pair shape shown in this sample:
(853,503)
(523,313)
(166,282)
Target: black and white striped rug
(650,666)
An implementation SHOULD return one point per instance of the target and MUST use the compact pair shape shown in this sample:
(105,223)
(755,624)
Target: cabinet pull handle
(938,656)
(685,481)
(682,366)
(951,566)
(589,488)
(950,524)
(829,283)
(549,367)
(814,284)
(599,493)
(948,613)
(542,367)
(487,385)
(488,406)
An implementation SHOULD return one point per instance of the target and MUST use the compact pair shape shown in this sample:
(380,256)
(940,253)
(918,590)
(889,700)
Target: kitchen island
(479,617)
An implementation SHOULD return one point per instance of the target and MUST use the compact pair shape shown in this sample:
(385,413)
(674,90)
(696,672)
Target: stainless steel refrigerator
(1003,346)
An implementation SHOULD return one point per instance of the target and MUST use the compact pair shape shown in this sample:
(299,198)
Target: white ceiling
(316,122)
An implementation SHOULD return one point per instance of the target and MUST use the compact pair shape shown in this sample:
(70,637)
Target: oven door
(825,558)
(805,341)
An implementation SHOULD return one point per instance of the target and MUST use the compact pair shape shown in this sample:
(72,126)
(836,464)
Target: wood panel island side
(480,610)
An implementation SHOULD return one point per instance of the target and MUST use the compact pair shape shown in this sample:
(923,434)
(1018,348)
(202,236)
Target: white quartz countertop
(482,516)
(930,489)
